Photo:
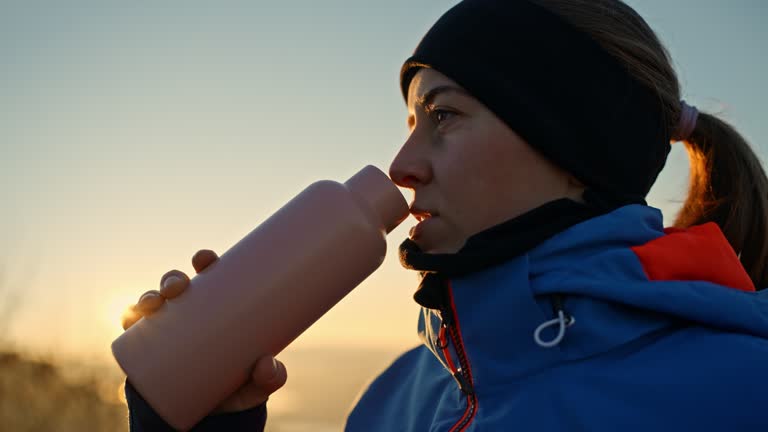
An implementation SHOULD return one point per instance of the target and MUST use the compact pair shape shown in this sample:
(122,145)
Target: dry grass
(35,396)
(47,395)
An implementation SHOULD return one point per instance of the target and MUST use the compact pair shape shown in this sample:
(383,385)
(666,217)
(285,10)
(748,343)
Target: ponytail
(728,186)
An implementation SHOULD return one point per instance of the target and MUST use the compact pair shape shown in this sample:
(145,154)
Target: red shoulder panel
(698,253)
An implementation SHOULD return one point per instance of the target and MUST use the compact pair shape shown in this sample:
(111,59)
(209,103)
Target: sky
(133,134)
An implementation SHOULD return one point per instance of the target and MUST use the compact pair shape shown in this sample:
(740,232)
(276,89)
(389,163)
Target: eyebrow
(430,96)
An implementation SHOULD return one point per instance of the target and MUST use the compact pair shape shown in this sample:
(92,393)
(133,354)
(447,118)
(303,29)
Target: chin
(439,248)
(436,237)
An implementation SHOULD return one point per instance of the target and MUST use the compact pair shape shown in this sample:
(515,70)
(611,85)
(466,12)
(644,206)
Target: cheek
(508,165)
(496,179)
(488,162)
(470,177)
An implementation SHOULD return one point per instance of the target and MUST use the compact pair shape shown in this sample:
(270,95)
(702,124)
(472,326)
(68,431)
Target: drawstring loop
(563,321)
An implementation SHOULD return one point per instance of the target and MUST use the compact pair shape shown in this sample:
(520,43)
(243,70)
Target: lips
(423,216)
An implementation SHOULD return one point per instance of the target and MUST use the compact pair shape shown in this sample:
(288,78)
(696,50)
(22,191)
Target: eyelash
(434,114)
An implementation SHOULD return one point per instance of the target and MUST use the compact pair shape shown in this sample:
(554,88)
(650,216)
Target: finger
(173,283)
(203,258)
(129,317)
(268,376)
(149,302)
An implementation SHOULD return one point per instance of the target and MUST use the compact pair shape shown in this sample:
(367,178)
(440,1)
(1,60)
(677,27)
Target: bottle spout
(381,194)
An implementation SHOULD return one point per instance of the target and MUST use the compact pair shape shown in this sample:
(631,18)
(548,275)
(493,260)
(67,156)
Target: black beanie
(555,87)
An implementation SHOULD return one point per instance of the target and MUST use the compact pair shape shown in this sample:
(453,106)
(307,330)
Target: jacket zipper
(462,375)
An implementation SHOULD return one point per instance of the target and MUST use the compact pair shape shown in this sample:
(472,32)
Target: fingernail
(274,367)
(147,295)
(170,280)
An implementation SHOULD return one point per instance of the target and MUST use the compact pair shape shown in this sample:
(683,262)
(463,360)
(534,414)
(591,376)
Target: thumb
(269,374)
(267,377)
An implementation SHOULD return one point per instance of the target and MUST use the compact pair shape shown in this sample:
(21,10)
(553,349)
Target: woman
(553,297)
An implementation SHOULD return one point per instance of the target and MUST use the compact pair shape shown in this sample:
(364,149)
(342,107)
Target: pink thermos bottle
(260,295)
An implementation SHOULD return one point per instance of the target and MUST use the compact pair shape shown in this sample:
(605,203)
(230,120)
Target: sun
(115,306)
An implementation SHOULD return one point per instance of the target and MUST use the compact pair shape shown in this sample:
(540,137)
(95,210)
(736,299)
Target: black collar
(493,246)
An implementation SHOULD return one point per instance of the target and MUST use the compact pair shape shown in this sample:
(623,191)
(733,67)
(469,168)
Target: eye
(439,116)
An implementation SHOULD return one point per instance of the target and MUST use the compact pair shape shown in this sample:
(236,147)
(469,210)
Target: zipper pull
(464,384)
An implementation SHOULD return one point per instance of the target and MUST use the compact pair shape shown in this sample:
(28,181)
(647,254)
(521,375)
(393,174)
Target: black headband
(555,87)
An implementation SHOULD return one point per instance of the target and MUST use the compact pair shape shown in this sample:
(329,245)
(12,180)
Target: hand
(268,374)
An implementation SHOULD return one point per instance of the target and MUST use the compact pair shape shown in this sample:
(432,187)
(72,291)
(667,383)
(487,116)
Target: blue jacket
(664,333)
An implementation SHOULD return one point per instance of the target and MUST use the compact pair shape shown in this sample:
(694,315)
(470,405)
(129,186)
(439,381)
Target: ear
(573,181)
(575,189)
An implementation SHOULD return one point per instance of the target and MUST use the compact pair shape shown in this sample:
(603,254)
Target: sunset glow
(133,135)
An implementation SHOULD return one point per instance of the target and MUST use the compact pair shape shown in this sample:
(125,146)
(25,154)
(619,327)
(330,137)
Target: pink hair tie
(688,117)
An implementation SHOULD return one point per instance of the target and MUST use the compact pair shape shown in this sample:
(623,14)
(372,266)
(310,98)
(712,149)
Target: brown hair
(727,183)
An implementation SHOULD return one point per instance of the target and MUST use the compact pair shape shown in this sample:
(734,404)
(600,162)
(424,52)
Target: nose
(411,167)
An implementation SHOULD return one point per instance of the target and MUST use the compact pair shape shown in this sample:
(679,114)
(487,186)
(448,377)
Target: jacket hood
(627,257)
(622,276)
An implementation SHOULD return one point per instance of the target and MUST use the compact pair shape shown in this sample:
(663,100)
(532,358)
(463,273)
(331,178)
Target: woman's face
(468,170)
